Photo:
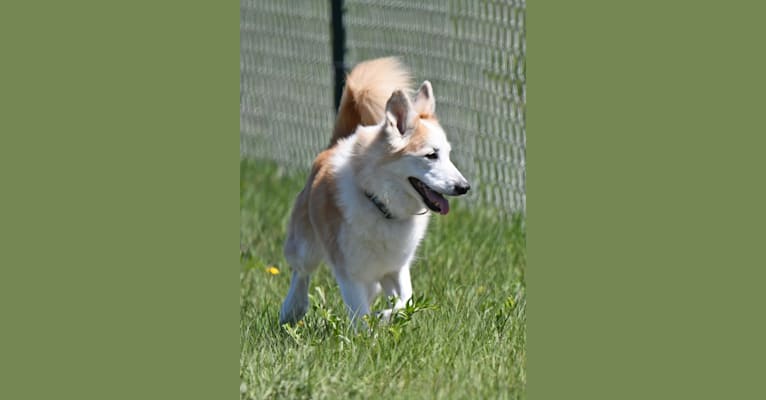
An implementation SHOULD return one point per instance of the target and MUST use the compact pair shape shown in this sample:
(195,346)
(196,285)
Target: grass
(463,337)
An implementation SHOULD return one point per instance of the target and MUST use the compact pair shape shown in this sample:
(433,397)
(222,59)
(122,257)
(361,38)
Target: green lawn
(463,338)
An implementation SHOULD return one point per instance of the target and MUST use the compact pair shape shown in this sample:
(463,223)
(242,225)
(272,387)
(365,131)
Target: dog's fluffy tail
(368,87)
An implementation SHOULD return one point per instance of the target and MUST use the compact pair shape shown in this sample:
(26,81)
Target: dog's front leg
(356,295)
(398,285)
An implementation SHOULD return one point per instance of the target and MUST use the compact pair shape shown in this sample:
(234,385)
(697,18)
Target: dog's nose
(462,189)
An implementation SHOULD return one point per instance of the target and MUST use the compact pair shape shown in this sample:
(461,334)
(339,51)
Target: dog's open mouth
(433,200)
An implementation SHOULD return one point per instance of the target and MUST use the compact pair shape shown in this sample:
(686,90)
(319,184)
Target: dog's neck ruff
(379,204)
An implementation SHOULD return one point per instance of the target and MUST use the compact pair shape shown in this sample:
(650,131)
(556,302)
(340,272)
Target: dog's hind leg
(304,258)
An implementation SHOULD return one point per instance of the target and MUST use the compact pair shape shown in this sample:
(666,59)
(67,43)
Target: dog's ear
(425,103)
(399,112)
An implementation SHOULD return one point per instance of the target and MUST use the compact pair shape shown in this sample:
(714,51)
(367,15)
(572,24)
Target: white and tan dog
(365,206)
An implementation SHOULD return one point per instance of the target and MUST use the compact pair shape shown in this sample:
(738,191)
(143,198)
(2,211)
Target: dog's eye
(432,156)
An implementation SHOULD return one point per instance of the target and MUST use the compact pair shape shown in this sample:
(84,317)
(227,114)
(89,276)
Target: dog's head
(418,150)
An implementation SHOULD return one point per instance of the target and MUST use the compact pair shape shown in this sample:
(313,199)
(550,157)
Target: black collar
(382,207)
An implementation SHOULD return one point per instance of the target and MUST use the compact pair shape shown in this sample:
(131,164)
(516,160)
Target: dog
(365,207)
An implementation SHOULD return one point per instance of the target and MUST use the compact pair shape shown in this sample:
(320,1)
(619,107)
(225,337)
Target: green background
(645,200)
(119,163)
(119,169)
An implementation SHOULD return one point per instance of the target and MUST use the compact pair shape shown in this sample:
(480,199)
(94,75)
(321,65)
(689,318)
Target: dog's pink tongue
(440,200)
(443,206)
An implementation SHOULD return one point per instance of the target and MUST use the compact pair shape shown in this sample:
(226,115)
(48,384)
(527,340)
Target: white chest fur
(373,246)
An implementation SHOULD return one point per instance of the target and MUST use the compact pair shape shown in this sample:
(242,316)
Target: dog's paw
(386,315)
(292,313)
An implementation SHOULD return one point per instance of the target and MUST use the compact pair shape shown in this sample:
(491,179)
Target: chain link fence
(472,51)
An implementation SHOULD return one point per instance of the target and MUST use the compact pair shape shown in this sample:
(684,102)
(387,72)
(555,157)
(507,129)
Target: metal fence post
(338,47)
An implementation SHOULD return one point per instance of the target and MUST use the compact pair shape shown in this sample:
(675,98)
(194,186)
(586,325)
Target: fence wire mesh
(286,80)
(473,52)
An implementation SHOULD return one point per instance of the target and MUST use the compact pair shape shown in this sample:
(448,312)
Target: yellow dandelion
(272,270)
(481,290)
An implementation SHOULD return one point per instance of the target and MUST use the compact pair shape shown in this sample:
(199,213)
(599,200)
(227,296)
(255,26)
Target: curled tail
(368,87)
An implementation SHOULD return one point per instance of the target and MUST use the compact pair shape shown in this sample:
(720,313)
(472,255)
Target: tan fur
(325,216)
(368,87)
(416,143)
(315,208)
(418,138)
